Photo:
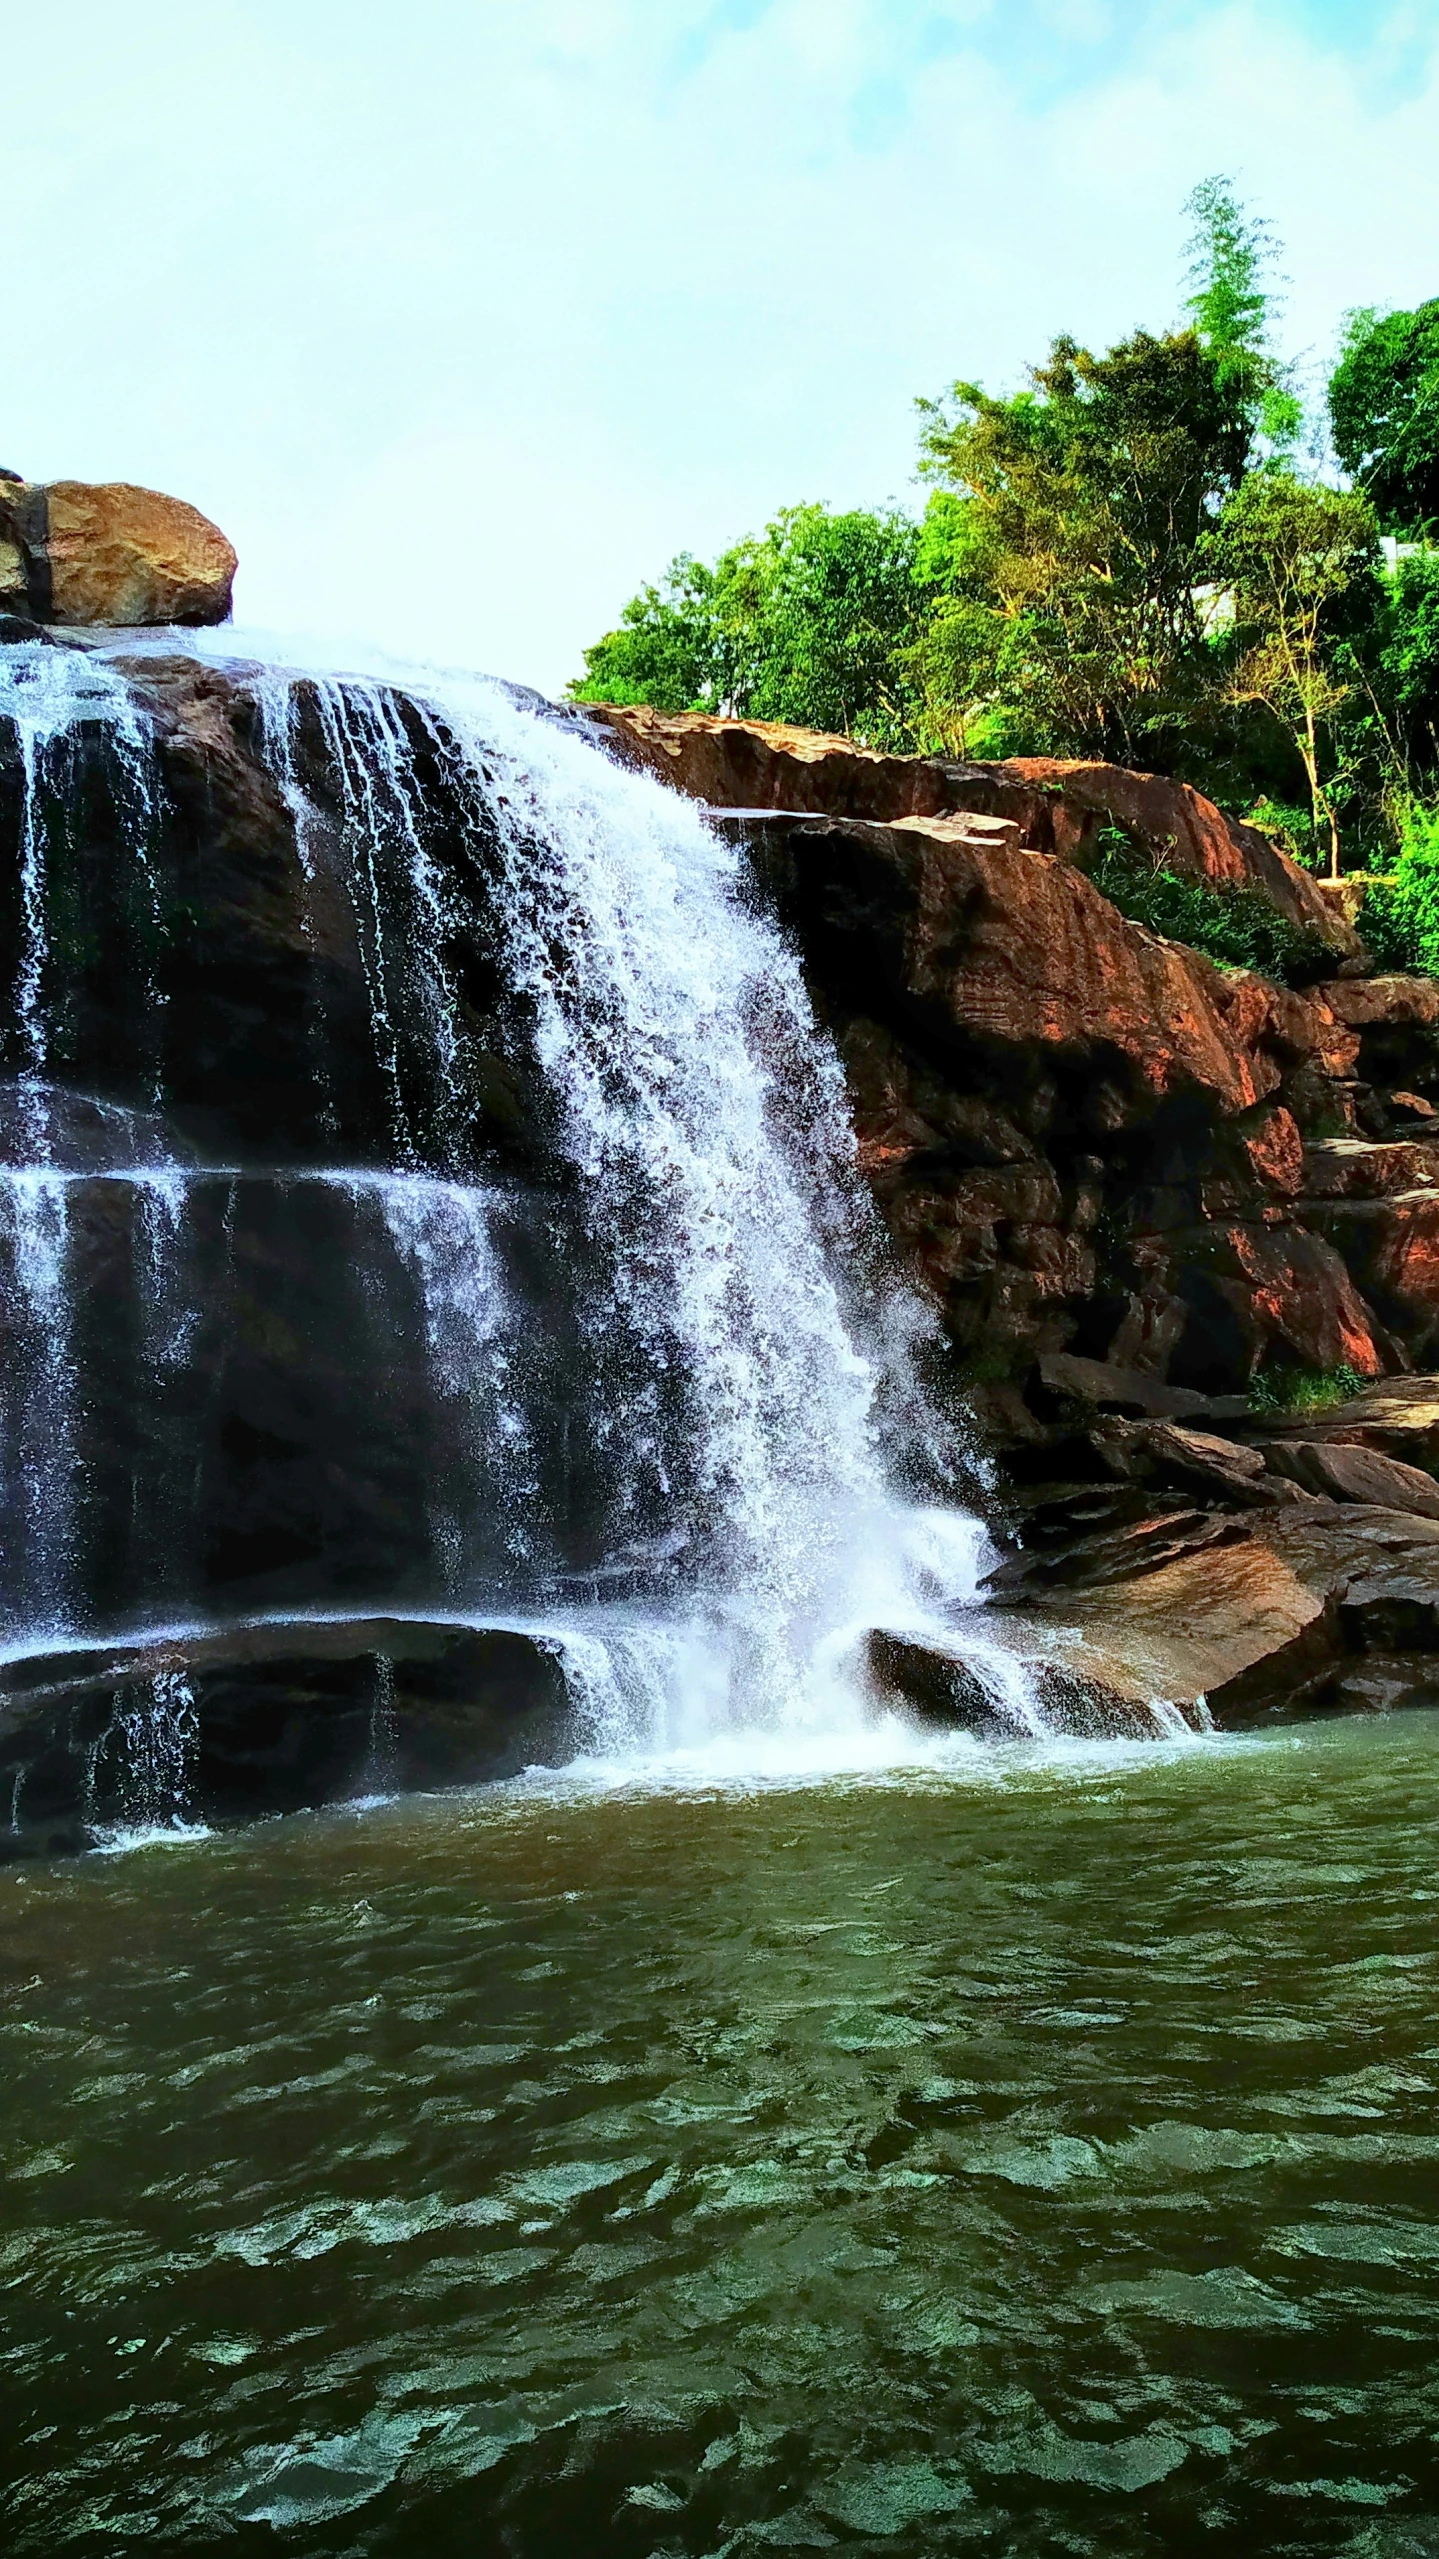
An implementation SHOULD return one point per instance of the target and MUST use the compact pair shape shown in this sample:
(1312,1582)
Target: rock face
(1089,1142)
(1131,1182)
(1085,1139)
(1057,807)
(76,552)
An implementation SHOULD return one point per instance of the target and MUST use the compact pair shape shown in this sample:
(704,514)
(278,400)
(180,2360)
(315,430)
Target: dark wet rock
(81,1133)
(1109,1388)
(944,1690)
(938,1688)
(1349,1474)
(1194,1461)
(289,1714)
(1133,1549)
(1085,1708)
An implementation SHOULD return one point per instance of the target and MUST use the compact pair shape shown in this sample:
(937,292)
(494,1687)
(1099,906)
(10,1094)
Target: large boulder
(80,552)
(284,1714)
(1319,1607)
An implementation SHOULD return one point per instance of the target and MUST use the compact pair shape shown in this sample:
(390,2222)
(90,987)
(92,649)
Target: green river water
(1038,2156)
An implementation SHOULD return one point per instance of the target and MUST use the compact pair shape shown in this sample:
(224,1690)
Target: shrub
(1400,916)
(1235,926)
(1276,1393)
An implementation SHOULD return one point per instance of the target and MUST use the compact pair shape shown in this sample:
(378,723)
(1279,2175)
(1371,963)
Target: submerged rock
(937,1688)
(945,1691)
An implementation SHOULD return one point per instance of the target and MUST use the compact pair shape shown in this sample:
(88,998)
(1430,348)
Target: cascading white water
(158,1733)
(707,1120)
(38,1408)
(48,694)
(731,1303)
(441,1232)
(376,795)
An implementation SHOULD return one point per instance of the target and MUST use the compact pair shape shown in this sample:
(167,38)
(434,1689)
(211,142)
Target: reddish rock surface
(1180,827)
(1086,1139)
(1058,807)
(1072,1126)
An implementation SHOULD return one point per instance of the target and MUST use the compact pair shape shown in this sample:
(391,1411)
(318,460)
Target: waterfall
(38,1422)
(158,1734)
(48,695)
(655,1361)
(706,1120)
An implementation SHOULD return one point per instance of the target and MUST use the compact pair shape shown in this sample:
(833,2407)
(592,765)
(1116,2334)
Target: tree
(1231,256)
(1384,409)
(1408,659)
(667,650)
(1075,588)
(808,623)
(1290,551)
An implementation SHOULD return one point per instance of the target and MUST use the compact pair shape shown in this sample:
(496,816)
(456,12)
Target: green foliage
(1232,925)
(667,650)
(1121,560)
(1407,628)
(1399,919)
(1231,254)
(1290,825)
(1076,513)
(1384,410)
(810,624)
(1278,1393)
(1290,552)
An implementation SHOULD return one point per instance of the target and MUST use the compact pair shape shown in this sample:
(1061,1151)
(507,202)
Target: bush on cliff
(1234,926)
(1283,1393)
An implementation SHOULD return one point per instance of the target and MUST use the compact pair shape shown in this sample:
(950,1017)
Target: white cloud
(462,318)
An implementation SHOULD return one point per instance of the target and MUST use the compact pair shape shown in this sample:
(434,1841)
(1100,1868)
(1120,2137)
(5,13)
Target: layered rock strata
(1058,807)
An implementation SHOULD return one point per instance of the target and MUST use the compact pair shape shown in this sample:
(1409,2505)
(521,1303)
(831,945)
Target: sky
(463,316)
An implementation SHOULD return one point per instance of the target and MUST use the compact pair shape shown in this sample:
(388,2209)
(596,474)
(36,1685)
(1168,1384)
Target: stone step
(1348,1168)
